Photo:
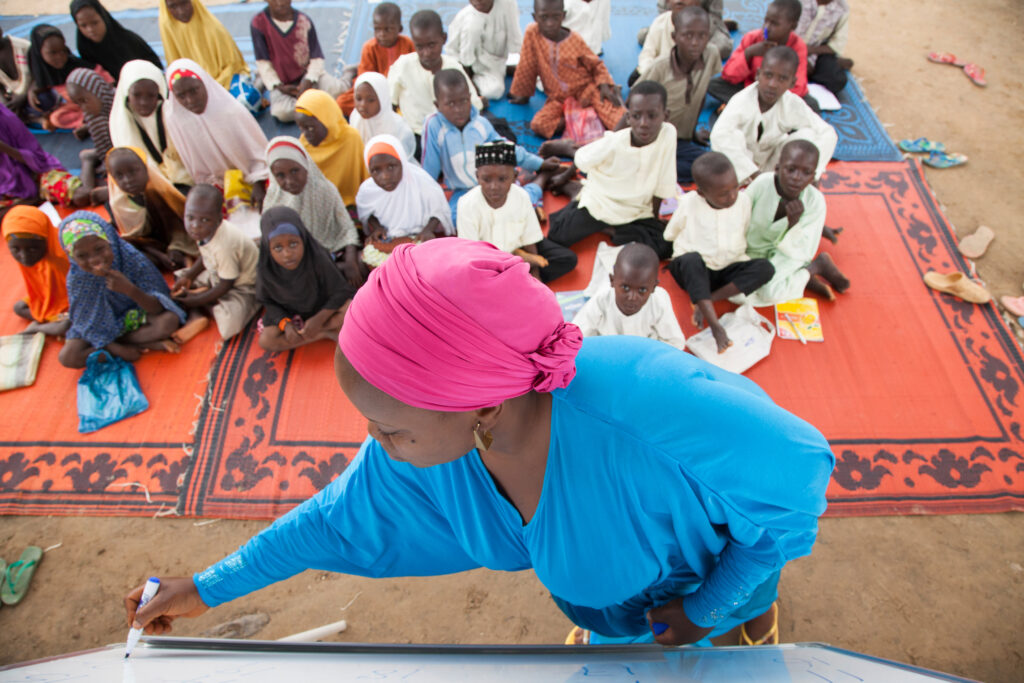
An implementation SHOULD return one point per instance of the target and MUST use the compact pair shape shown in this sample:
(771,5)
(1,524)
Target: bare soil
(941,592)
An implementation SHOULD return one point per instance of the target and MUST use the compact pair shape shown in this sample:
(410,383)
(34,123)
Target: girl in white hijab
(212,131)
(373,114)
(399,202)
(136,118)
(297,183)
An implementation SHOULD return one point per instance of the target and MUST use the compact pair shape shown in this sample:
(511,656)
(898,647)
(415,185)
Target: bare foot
(562,147)
(827,268)
(571,189)
(832,234)
(721,337)
(816,286)
(557,180)
(161,345)
(190,329)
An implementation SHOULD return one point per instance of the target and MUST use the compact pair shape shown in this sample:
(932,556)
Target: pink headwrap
(456,325)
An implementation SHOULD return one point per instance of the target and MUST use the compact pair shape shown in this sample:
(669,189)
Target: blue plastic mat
(344,25)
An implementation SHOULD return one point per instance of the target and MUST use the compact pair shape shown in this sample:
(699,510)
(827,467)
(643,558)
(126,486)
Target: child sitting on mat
(780,22)
(787,215)
(500,212)
(411,77)
(381,51)
(148,210)
(629,173)
(685,71)
(289,58)
(304,295)
(591,19)
(634,305)
(223,281)
(451,134)
(95,97)
(824,26)
(333,145)
(566,68)
(118,301)
(764,116)
(374,115)
(399,203)
(659,38)
(481,36)
(34,243)
(50,63)
(661,28)
(709,235)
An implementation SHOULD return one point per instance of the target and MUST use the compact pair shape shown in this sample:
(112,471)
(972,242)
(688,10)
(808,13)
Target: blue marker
(152,586)
(659,627)
(766,34)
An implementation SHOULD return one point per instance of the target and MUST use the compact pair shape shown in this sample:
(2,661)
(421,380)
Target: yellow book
(799,320)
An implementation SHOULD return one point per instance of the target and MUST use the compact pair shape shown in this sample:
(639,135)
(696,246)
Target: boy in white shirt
(765,115)
(592,19)
(634,305)
(481,36)
(500,212)
(709,233)
(629,172)
(411,77)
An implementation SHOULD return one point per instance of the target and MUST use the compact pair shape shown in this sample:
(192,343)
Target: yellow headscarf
(203,39)
(340,155)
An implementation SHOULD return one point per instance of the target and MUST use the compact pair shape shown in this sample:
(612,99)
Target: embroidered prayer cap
(455,325)
(497,153)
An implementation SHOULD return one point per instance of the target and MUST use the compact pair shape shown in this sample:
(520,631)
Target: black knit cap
(497,153)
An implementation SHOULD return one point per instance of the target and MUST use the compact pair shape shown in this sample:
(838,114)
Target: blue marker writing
(659,627)
(152,586)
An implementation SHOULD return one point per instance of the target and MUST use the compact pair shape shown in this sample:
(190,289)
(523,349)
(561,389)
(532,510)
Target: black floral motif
(954,472)
(997,374)
(258,378)
(14,470)
(854,472)
(95,475)
(170,477)
(923,234)
(325,471)
(243,463)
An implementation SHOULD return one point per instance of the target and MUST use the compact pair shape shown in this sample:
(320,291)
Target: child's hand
(794,210)
(180,285)
(535,260)
(292,335)
(311,329)
(118,282)
(518,100)
(680,629)
(611,93)
(186,301)
(377,235)
(82,132)
(759,49)
(702,136)
(550,165)
(350,269)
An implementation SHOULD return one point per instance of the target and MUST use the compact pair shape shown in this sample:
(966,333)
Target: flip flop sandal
(974,245)
(1014,304)
(18,575)
(959,285)
(945,58)
(921,145)
(770,638)
(976,74)
(943,160)
(575,633)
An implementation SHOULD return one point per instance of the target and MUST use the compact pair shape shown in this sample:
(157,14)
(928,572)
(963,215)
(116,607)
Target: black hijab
(315,285)
(118,46)
(43,74)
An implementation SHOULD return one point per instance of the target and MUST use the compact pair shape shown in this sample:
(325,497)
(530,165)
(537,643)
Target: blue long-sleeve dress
(666,477)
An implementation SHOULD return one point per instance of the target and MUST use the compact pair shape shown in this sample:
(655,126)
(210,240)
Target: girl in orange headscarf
(34,244)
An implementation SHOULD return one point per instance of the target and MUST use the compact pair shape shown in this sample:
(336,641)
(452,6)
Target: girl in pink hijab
(656,496)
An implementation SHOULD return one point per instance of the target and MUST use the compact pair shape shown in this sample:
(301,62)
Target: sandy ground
(941,592)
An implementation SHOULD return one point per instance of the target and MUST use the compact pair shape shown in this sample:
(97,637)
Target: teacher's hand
(177,597)
(680,629)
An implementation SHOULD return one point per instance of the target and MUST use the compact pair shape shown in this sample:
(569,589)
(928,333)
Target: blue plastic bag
(108,391)
(245,92)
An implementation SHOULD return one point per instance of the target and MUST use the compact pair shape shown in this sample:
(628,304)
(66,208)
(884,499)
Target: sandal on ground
(770,638)
(976,74)
(577,633)
(1014,304)
(921,145)
(974,246)
(945,58)
(959,285)
(18,575)
(943,160)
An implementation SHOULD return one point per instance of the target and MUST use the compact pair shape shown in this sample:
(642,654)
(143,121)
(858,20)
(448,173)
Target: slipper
(921,145)
(974,246)
(18,575)
(945,58)
(943,160)
(976,74)
(959,285)
(770,638)
(1014,304)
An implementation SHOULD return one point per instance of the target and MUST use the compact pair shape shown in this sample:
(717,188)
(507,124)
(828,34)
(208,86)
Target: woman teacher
(645,487)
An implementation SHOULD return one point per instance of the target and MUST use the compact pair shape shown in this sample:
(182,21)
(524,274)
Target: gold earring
(483,441)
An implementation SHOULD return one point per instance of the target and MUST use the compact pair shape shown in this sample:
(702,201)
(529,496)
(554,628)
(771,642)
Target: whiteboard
(183,660)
